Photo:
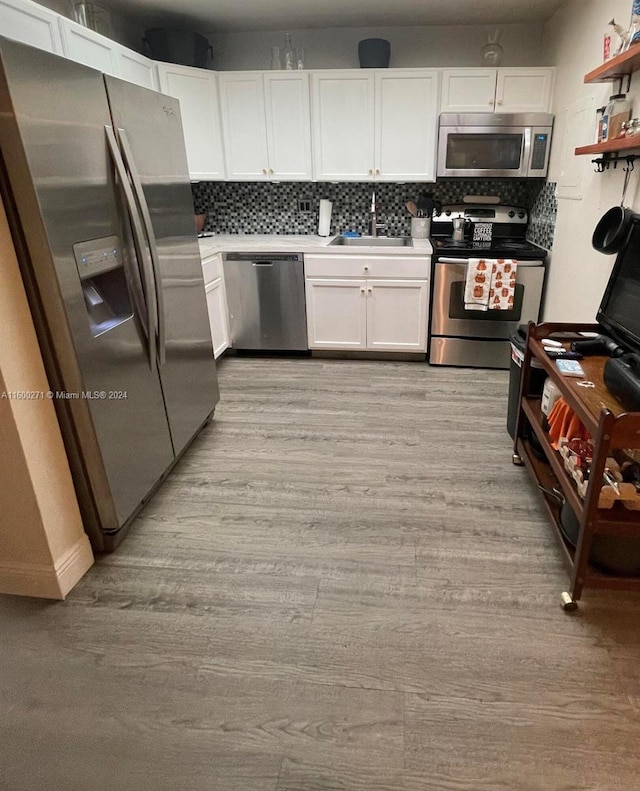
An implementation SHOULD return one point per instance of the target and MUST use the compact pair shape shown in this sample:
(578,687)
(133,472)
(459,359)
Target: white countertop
(275,243)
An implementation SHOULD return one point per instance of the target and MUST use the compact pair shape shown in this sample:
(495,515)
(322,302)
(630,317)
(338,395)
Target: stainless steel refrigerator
(94,177)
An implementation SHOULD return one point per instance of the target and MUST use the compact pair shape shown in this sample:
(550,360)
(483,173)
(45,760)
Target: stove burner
(515,245)
(497,247)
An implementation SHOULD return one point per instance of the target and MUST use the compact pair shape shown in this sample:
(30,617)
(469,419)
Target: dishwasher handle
(267,258)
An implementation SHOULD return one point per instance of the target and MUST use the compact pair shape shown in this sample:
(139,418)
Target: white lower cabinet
(381,304)
(216,303)
(397,315)
(336,313)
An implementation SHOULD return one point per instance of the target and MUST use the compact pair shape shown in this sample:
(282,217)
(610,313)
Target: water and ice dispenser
(104,283)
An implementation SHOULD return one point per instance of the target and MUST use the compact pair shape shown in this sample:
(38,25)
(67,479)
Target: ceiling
(256,15)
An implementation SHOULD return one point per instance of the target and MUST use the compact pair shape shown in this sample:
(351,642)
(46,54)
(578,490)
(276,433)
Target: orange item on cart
(563,422)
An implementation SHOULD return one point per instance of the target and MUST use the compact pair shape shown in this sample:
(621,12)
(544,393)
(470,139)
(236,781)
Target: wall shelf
(615,69)
(611,146)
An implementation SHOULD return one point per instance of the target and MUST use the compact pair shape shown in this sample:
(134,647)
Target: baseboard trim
(45,581)
(395,357)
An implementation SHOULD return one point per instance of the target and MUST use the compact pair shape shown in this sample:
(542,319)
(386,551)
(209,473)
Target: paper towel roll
(324,218)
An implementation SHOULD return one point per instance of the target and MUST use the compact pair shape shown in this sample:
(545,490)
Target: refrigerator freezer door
(70,229)
(154,141)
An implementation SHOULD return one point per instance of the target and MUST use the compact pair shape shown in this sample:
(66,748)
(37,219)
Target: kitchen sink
(373,241)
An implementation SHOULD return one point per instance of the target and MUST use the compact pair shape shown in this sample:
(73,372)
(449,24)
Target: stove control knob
(521,215)
(512,214)
(448,213)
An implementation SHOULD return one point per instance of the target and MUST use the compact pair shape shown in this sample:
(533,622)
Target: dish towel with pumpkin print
(477,284)
(503,284)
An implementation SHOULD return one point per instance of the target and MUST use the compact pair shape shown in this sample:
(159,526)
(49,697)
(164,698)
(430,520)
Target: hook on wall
(604,162)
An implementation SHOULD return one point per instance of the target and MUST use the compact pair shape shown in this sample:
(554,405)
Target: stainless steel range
(458,336)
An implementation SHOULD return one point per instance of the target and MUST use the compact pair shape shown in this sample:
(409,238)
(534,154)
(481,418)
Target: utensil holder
(420,227)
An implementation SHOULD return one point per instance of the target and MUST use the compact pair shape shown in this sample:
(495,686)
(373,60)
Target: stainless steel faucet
(374,225)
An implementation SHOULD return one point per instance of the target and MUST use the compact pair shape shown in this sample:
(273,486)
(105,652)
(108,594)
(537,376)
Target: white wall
(578,274)
(337,48)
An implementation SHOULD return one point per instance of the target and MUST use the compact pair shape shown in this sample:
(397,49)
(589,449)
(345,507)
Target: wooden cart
(611,429)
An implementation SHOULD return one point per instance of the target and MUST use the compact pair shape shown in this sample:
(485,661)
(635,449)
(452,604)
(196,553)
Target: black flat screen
(619,311)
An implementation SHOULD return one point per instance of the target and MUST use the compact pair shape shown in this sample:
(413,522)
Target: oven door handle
(465,261)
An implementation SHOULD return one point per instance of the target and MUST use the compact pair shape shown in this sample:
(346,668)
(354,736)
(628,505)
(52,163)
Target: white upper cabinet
(343,125)
(288,125)
(524,90)
(267,133)
(503,90)
(244,126)
(85,46)
(379,125)
(31,24)
(137,69)
(468,90)
(406,125)
(197,92)
(39,27)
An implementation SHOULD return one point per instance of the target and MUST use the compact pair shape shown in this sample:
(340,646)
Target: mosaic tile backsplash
(542,216)
(292,207)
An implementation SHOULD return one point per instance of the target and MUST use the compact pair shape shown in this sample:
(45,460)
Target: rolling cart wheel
(569,604)
(517,460)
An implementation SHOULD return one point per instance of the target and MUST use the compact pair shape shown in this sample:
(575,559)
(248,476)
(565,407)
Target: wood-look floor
(345,584)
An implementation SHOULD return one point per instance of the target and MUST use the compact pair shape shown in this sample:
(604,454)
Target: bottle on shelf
(599,118)
(617,110)
(288,55)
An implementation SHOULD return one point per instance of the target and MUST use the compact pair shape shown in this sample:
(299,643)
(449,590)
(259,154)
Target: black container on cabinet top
(374,53)
(178,46)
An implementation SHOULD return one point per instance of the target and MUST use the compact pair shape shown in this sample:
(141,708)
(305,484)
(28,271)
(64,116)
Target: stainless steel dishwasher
(265,294)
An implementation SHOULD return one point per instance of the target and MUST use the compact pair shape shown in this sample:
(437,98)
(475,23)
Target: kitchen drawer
(354,265)
(212,268)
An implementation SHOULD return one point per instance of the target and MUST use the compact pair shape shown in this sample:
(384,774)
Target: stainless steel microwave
(494,145)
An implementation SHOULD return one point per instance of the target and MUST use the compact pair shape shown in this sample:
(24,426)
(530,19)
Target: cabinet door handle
(499,101)
(369,290)
(271,171)
(370,172)
(362,290)
(264,171)
(366,269)
(377,171)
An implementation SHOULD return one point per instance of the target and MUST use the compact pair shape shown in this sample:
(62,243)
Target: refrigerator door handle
(151,236)
(138,240)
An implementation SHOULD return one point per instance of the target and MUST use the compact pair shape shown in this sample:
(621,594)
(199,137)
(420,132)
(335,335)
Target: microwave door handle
(138,242)
(151,236)
(525,166)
